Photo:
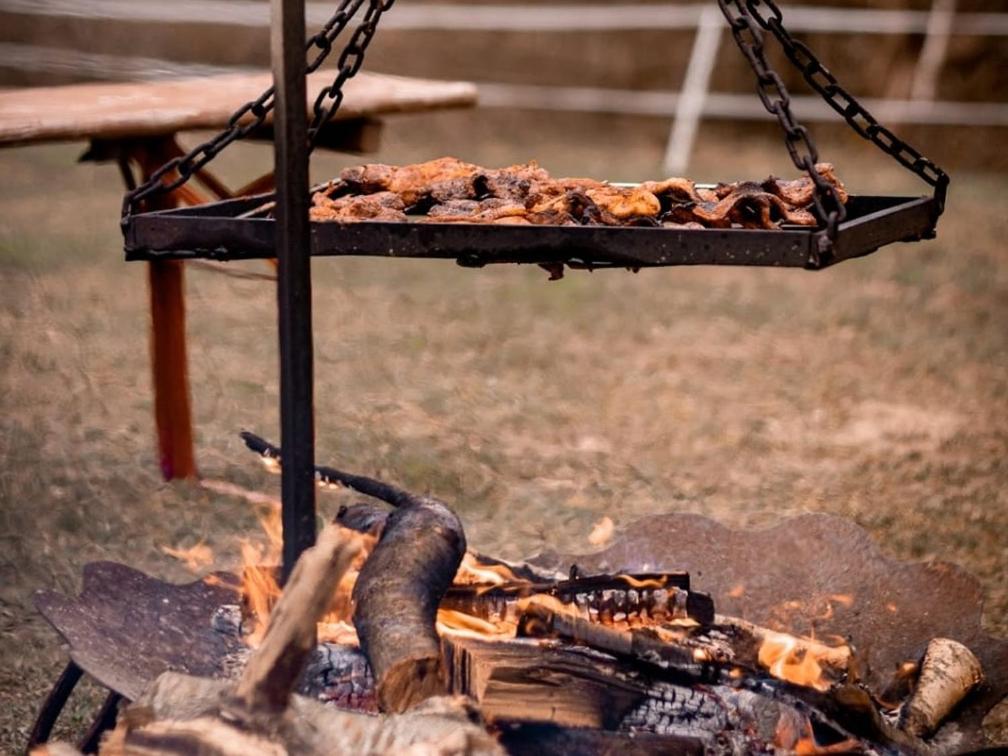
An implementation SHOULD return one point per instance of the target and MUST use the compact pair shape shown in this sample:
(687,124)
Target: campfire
(459,652)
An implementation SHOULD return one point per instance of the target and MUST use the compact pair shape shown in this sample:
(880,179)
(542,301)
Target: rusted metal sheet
(125,628)
(823,574)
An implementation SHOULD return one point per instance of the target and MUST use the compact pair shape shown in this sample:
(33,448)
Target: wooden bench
(136,126)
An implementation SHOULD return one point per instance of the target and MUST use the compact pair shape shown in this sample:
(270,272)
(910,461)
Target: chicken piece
(673,191)
(471,211)
(410,182)
(385,206)
(558,206)
(625,204)
(799,192)
(747,205)
(513,183)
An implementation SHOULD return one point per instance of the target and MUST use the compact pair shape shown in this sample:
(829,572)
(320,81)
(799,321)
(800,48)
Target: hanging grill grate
(232,229)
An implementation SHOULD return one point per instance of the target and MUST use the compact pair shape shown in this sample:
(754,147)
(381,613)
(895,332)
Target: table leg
(169,359)
(170,369)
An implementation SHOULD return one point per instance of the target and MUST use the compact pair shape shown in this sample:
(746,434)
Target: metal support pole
(290,149)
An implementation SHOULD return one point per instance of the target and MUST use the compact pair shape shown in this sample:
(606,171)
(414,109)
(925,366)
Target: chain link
(747,20)
(252,115)
(775,98)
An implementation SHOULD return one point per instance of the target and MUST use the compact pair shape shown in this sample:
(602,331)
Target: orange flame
(799,660)
(474,572)
(260,589)
(195,557)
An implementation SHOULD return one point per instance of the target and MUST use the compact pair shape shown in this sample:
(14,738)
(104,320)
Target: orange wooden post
(170,369)
(169,358)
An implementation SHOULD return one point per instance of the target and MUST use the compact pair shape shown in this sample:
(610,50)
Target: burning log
(400,586)
(290,639)
(539,620)
(777,653)
(180,714)
(609,599)
(948,672)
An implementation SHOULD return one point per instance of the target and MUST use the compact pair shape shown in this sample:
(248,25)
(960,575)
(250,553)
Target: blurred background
(877,390)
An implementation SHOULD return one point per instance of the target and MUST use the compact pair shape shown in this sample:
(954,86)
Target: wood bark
(180,715)
(948,672)
(400,586)
(397,596)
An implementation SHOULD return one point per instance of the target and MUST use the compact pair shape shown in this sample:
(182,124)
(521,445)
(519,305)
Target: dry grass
(877,390)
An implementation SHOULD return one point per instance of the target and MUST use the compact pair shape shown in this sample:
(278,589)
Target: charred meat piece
(410,182)
(515,182)
(800,192)
(748,206)
(472,211)
(385,206)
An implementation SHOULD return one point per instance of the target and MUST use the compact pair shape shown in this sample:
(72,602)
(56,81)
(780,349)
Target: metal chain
(747,22)
(252,115)
(350,61)
(775,98)
(859,119)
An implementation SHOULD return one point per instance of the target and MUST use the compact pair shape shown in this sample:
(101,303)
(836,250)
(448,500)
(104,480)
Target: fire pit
(798,637)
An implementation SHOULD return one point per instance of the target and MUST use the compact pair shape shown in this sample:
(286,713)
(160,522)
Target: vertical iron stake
(294,305)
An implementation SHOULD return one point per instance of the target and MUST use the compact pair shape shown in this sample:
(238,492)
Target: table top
(135,109)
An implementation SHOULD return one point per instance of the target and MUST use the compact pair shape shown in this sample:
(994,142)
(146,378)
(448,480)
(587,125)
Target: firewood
(948,672)
(400,586)
(259,716)
(539,620)
(837,658)
(180,714)
(290,638)
(56,748)
(397,595)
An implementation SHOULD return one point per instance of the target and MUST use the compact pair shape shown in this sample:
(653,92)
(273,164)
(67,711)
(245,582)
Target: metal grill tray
(217,231)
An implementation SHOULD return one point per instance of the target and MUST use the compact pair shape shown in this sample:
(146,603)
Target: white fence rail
(687,108)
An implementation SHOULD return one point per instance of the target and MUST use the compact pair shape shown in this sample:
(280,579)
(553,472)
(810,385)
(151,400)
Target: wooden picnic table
(136,124)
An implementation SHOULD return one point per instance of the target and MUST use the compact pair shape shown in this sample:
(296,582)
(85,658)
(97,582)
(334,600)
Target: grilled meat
(386,206)
(448,190)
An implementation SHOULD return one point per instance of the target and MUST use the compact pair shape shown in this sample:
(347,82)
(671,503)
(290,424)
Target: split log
(522,683)
(400,586)
(948,672)
(275,667)
(181,715)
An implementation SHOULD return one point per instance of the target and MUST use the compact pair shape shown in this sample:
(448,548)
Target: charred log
(541,621)
(397,596)
(400,586)
(608,599)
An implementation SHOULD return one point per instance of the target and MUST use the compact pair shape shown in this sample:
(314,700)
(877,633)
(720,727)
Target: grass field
(877,390)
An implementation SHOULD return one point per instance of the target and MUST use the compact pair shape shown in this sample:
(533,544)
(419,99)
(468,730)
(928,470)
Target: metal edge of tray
(214,231)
